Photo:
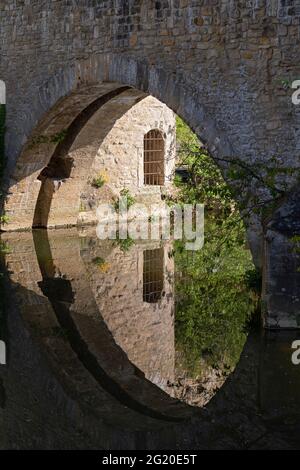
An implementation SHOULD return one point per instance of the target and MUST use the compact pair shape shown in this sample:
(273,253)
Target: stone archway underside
(74,128)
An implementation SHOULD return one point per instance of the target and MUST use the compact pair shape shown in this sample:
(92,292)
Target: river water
(113,345)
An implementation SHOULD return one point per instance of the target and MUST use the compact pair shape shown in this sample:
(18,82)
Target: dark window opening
(154,158)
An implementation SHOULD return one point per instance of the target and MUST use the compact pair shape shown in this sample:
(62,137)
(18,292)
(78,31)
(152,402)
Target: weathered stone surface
(145,331)
(56,274)
(282,266)
(221,67)
(110,143)
(120,157)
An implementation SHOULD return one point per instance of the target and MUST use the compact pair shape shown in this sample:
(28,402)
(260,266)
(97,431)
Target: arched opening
(63,99)
(154,158)
(82,158)
(56,182)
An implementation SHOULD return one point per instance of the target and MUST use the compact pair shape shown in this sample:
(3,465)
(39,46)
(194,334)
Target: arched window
(153,275)
(154,158)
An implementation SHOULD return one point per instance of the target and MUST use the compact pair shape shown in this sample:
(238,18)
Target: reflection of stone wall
(144,331)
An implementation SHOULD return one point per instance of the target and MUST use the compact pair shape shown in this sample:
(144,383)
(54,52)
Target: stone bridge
(224,66)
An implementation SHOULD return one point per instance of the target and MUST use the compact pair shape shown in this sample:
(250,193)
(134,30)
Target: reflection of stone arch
(58,287)
(248,393)
(2,352)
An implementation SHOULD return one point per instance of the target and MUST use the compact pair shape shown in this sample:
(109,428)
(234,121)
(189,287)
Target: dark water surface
(106,350)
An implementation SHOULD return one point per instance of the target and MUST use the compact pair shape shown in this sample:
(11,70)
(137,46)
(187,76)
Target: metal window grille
(153,275)
(154,156)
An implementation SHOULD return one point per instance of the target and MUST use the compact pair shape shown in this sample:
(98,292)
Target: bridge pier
(281,277)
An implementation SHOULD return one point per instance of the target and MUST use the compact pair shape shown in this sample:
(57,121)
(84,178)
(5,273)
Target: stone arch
(78,93)
(63,179)
(220,67)
(73,89)
(158,81)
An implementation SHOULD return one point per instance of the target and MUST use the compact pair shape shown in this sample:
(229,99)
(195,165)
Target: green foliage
(59,137)
(52,139)
(98,261)
(4,248)
(217,288)
(98,182)
(269,181)
(295,239)
(126,200)
(205,181)
(82,207)
(4,219)
(286,83)
(126,244)
(184,135)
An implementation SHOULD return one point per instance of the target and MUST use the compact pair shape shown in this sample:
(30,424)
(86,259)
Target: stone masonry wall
(119,160)
(225,66)
(219,62)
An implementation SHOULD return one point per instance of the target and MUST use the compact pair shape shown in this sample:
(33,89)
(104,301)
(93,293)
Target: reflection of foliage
(101,264)
(4,219)
(214,302)
(217,288)
(4,248)
(295,240)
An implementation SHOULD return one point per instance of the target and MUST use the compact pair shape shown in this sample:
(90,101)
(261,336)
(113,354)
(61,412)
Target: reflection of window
(153,275)
(154,156)
(2,353)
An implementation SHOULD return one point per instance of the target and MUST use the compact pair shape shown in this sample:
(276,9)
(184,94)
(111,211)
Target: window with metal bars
(154,158)
(153,275)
